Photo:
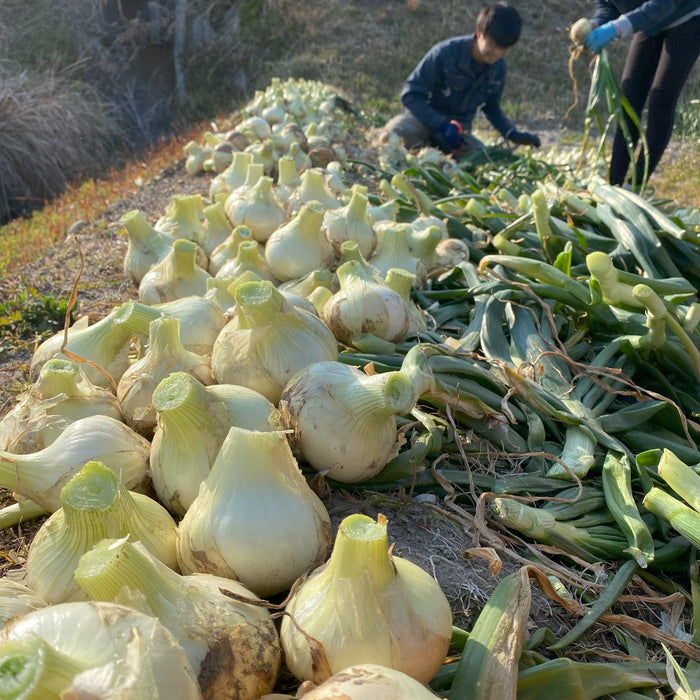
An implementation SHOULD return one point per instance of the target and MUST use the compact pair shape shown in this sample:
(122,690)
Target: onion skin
(17,598)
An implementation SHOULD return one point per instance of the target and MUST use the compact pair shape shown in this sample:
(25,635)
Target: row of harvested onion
(163,441)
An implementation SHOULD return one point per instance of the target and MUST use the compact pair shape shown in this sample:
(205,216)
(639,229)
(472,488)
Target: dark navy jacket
(649,17)
(449,84)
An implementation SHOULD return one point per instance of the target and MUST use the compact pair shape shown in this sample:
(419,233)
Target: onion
(423,243)
(146,245)
(195,157)
(105,343)
(387,211)
(313,188)
(94,650)
(16,599)
(94,505)
(304,286)
(274,113)
(39,476)
(364,305)
(61,395)
(217,227)
(580,29)
(299,246)
(177,275)
(220,158)
(256,127)
(249,258)
(351,223)
(164,355)
(268,340)
(394,252)
(183,218)
(254,491)
(449,253)
(301,162)
(350,250)
(218,291)
(193,421)
(363,682)
(231,178)
(334,178)
(287,178)
(256,207)
(344,420)
(366,606)
(201,320)
(227,250)
(401,281)
(232,645)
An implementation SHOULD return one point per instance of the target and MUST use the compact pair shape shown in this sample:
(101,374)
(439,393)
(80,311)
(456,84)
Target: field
(76,246)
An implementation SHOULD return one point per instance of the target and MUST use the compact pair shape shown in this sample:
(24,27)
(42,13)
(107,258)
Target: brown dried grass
(53,131)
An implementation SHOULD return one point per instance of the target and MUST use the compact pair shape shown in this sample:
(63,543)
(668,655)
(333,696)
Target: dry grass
(24,238)
(53,129)
(678,176)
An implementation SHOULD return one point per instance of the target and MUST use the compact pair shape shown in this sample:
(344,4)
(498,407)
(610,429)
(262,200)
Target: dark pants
(656,69)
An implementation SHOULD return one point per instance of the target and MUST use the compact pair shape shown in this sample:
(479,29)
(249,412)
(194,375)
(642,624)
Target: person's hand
(597,39)
(523,138)
(451,132)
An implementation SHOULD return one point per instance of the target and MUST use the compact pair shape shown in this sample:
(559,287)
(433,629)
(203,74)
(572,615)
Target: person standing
(664,48)
(453,80)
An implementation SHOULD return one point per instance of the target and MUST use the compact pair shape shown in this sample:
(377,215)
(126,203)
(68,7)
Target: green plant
(30,314)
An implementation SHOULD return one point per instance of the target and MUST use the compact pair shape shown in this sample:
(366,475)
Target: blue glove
(523,138)
(451,133)
(598,39)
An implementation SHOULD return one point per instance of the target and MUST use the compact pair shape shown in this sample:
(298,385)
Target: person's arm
(492,106)
(609,24)
(425,78)
(494,113)
(650,13)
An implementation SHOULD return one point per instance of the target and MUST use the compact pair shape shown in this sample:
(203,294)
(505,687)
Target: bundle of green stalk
(607,108)
(570,337)
(566,352)
(499,657)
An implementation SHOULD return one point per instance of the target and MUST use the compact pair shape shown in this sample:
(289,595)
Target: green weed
(30,314)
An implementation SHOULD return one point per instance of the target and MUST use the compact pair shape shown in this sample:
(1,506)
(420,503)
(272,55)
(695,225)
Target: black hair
(501,23)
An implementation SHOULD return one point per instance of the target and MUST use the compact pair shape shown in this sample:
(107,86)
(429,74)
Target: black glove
(451,133)
(523,138)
